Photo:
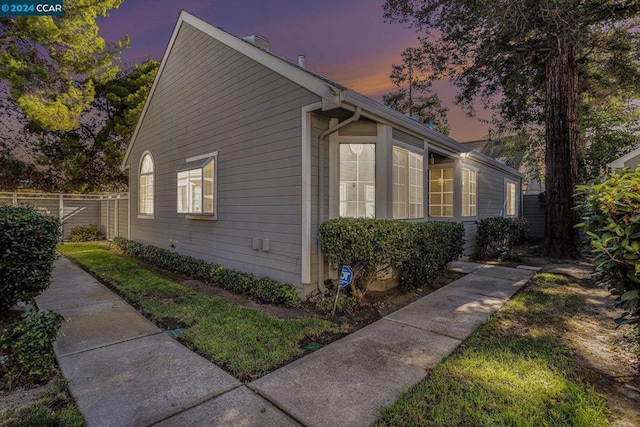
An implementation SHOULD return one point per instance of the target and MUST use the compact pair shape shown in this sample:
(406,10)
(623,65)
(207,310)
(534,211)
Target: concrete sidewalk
(123,371)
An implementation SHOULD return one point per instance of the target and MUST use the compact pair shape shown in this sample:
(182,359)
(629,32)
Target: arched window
(146,185)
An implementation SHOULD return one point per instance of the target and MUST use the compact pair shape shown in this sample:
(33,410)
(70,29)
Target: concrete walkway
(124,371)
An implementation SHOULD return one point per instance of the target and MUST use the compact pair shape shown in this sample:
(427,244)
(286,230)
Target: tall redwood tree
(533,61)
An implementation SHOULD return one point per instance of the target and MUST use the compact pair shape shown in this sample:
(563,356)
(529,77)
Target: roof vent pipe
(301,61)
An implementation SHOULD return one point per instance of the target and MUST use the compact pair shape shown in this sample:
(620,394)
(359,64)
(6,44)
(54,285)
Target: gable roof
(333,94)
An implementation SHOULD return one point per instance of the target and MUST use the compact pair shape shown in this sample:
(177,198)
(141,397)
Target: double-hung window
(510,198)
(358,180)
(408,196)
(469,192)
(441,192)
(197,186)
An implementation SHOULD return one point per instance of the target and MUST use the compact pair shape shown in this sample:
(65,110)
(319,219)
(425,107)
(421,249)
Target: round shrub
(496,236)
(27,251)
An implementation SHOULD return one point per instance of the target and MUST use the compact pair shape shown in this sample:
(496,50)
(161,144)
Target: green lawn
(513,371)
(246,341)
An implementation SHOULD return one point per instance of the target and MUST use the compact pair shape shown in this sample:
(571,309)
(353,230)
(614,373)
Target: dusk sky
(344,40)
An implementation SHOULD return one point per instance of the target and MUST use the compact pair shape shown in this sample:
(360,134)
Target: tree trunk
(561,161)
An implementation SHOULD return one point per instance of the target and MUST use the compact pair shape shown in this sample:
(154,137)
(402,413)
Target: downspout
(321,139)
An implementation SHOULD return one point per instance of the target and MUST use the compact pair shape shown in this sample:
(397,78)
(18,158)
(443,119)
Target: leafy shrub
(346,304)
(611,220)
(88,233)
(30,345)
(432,246)
(28,241)
(261,288)
(497,236)
(420,251)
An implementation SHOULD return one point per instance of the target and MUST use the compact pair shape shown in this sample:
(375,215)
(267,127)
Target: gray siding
(533,211)
(490,199)
(362,127)
(408,139)
(210,98)
(633,162)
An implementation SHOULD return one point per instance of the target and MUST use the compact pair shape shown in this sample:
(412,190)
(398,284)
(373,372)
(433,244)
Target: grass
(514,370)
(245,341)
(54,409)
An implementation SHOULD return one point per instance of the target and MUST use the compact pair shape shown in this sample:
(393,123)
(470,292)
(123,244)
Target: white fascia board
(279,65)
(404,122)
(172,40)
(445,144)
(491,162)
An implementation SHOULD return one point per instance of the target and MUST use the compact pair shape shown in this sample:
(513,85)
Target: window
(510,198)
(145,205)
(196,186)
(407,184)
(441,192)
(469,192)
(358,180)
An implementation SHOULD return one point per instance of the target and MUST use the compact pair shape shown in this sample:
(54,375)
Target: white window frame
(146,209)
(509,197)
(469,192)
(369,191)
(442,180)
(402,183)
(199,164)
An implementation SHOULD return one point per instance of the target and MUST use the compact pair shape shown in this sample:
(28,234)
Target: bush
(497,236)
(611,220)
(261,288)
(420,251)
(88,233)
(28,241)
(30,345)
(348,305)
(433,245)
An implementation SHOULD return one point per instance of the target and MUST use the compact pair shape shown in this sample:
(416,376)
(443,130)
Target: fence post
(15,199)
(129,216)
(61,213)
(117,216)
(108,208)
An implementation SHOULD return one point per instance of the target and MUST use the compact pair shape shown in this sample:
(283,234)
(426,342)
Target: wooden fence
(109,211)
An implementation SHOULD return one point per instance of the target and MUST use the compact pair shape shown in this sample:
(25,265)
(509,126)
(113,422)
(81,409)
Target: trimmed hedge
(419,250)
(496,236)
(28,243)
(611,220)
(260,288)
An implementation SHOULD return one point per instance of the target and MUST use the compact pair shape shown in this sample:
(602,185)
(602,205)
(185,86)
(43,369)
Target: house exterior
(532,208)
(239,156)
(497,149)
(630,160)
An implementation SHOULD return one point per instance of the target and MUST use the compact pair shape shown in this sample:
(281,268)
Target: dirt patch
(21,396)
(606,354)
(377,304)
